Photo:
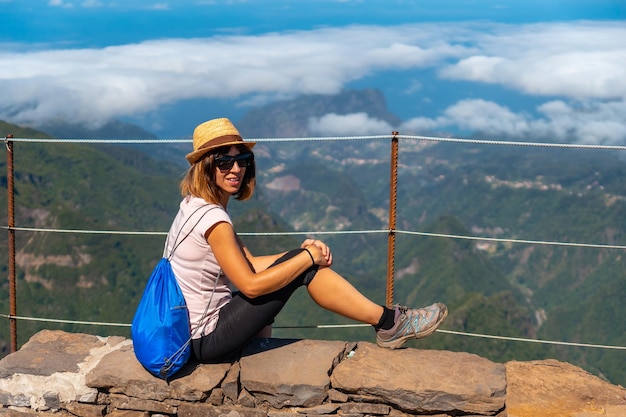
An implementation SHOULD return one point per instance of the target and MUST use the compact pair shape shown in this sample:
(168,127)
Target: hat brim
(196,155)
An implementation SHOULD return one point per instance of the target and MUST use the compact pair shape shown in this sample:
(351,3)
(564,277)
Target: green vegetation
(523,290)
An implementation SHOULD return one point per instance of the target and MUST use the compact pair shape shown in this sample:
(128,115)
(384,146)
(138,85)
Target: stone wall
(62,374)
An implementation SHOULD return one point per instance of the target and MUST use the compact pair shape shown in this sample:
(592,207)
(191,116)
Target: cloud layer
(576,69)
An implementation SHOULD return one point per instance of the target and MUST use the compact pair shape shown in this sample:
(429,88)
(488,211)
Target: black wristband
(312,259)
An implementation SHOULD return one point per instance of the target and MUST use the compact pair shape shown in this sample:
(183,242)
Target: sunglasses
(226,162)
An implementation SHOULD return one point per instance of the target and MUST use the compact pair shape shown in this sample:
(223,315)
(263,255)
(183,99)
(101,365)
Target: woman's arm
(259,263)
(233,262)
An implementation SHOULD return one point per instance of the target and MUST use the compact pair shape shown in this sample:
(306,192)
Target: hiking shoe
(411,324)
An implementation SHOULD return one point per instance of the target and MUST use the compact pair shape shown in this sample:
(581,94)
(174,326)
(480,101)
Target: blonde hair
(200,178)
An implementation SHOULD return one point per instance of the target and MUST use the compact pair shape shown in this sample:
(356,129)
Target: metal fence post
(11,231)
(391,239)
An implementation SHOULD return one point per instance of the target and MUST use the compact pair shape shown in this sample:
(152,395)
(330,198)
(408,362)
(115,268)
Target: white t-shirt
(194,263)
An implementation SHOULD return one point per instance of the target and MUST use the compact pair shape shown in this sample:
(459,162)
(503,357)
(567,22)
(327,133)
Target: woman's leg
(393,327)
(243,318)
(334,293)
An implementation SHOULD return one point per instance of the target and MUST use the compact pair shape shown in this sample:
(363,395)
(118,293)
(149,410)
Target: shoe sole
(395,344)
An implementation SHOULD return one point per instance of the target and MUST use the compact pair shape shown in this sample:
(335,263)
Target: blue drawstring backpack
(160,329)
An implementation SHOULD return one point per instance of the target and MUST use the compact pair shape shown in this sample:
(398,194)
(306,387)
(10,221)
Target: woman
(210,257)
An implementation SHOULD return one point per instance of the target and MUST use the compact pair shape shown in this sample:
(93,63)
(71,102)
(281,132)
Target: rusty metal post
(391,239)
(11,230)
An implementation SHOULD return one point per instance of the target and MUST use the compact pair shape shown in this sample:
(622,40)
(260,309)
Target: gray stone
(318,409)
(23,412)
(122,402)
(365,408)
(51,400)
(120,372)
(423,381)
(245,399)
(89,397)
(273,413)
(128,413)
(9,399)
(337,396)
(85,410)
(549,387)
(207,410)
(50,367)
(230,385)
(216,397)
(49,352)
(289,372)
(370,381)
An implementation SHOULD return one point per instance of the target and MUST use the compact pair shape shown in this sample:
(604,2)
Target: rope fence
(391,231)
(344,326)
(331,232)
(338,138)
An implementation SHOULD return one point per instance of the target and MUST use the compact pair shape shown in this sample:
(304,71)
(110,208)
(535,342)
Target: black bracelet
(312,259)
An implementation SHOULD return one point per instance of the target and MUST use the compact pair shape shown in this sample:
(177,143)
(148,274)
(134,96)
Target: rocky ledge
(66,374)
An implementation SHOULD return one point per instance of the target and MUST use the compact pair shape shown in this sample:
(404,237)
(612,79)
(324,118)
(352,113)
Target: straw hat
(214,134)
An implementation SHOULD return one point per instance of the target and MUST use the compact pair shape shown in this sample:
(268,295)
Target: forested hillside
(508,288)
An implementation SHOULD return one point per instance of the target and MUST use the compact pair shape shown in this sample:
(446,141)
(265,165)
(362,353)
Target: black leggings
(242,318)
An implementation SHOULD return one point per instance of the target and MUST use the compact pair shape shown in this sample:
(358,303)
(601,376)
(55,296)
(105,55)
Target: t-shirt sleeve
(213,216)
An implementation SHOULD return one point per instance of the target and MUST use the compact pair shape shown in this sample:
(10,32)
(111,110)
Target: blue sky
(506,68)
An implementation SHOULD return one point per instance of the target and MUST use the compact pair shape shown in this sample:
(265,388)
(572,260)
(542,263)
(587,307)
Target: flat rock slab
(422,381)
(289,372)
(119,372)
(50,368)
(550,388)
(49,352)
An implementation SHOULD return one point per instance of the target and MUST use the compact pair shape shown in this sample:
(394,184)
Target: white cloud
(577,66)
(422,125)
(59,3)
(159,6)
(577,60)
(130,79)
(348,125)
(414,86)
(571,122)
(91,3)
(486,116)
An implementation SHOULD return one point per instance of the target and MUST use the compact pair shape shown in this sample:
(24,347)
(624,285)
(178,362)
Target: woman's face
(230,169)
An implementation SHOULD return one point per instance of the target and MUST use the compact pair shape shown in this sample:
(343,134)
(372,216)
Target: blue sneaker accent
(411,324)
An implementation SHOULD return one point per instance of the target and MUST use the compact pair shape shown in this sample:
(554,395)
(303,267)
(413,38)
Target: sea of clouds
(576,70)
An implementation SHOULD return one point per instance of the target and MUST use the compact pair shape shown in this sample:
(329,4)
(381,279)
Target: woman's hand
(319,250)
